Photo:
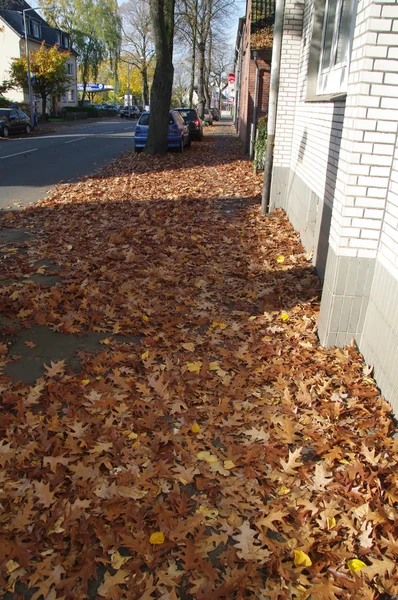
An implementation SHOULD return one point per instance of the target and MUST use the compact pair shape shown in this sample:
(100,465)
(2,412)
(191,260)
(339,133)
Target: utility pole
(128,89)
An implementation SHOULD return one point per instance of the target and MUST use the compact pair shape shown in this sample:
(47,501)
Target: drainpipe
(273,101)
(255,104)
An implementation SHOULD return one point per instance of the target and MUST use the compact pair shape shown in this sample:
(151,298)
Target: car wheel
(5,131)
(27,128)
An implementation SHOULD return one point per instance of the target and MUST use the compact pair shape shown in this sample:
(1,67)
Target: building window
(58,38)
(71,95)
(35,29)
(338,28)
(70,68)
(66,41)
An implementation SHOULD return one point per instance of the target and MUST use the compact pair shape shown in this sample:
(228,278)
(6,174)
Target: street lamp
(24,11)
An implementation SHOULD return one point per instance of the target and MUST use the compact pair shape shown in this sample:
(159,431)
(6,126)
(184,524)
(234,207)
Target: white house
(335,169)
(12,45)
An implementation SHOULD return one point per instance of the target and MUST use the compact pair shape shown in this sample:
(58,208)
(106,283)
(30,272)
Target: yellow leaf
(194,367)
(14,295)
(157,538)
(280,259)
(145,318)
(228,464)
(252,318)
(69,246)
(11,566)
(132,436)
(283,491)
(85,381)
(331,521)
(284,316)
(214,366)
(355,565)
(195,428)
(222,325)
(209,458)
(145,355)
(301,559)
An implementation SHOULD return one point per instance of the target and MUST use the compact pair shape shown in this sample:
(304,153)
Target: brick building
(335,167)
(253,62)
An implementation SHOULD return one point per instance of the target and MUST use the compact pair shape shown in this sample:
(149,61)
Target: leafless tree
(138,39)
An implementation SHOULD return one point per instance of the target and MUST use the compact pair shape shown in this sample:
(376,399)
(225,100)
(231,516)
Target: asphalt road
(30,166)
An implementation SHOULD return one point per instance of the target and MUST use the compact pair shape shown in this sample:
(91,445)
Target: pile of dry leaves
(223,455)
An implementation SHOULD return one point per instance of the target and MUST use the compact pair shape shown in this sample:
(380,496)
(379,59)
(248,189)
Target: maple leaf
(42,492)
(268,521)
(246,547)
(257,434)
(379,567)
(109,588)
(321,478)
(293,462)
(55,368)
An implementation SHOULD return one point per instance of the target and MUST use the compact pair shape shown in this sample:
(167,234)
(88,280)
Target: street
(30,166)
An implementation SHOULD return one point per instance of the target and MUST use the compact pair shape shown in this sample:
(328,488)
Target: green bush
(260,145)
(4,103)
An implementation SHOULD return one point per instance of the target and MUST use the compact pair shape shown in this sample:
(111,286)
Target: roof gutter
(273,102)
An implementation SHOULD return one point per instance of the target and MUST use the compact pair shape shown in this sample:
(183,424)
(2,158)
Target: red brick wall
(247,84)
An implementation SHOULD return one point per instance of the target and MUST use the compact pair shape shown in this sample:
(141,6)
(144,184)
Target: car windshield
(144,119)
(4,114)
(189,115)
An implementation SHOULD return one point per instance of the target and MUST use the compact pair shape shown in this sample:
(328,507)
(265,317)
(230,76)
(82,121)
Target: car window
(171,120)
(144,120)
(13,113)
(4,114)
(22,115)
(188,114)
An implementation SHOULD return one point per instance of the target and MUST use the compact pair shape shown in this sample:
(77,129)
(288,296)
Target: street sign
(92,87)
(231,77)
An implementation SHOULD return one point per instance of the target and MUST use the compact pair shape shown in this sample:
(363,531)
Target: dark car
(191,118)
(134,112)
(216,114)
(178,133)
(13,120)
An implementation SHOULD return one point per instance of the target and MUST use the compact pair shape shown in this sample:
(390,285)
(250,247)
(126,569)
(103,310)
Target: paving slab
(50,345)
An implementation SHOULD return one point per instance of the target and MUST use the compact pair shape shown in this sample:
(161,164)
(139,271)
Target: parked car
(13,120)
(191,118)
(208,117)
(216,114)
(134,112)
(178,134)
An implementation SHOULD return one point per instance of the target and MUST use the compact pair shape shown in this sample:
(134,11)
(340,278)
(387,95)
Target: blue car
(178,136)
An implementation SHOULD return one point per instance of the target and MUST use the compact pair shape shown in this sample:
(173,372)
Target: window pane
(344,31)
(329,28)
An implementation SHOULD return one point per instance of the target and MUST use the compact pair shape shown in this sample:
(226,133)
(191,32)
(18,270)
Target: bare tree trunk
(162,16)
(201,78)
(194,28)
(208,69)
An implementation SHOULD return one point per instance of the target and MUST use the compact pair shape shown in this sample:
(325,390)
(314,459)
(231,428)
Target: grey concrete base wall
(379,342)
(309,215)
(345,299)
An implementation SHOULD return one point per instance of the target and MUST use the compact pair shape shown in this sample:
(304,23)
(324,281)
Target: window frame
(333,79)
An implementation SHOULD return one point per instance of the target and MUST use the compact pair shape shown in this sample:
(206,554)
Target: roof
(11,13)
(262,24)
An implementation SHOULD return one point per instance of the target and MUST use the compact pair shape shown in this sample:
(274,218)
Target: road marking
(18,153)
(75,140)
(113,131)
